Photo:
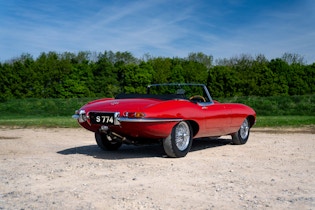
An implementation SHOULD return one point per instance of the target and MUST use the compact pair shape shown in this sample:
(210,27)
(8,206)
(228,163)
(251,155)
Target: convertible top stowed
(153,96)
(173,114)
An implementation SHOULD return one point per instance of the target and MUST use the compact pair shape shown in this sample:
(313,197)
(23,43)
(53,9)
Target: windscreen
(186,91)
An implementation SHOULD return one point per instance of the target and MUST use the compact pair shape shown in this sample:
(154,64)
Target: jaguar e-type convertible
(171,114)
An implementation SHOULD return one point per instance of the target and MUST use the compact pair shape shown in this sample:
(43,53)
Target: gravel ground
(64,169)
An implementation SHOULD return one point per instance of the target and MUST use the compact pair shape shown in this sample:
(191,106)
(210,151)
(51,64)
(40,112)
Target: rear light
(134,114)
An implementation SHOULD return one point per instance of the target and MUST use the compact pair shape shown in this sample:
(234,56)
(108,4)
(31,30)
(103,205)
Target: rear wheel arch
(194,126)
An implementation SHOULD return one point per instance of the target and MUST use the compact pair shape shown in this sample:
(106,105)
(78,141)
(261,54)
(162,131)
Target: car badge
(114,103)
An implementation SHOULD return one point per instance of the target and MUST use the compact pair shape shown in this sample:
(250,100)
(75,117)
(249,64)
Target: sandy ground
(64,169)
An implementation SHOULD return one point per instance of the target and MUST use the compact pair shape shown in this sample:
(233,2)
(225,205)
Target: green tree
(5,85)
(296,76)
(177,74)
(280,70)
(222,81)
(293,58)
(194,72)
(309,78)
(136,78)
(161,69)
(105,77)
(206,60)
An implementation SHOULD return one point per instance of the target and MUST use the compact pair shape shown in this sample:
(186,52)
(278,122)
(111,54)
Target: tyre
(241,136)
(106,142)
(179,142)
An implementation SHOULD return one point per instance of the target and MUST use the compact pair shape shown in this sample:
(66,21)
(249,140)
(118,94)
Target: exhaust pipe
(111,136)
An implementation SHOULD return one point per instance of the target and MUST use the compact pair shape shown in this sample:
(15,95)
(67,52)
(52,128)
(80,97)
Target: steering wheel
(197,98)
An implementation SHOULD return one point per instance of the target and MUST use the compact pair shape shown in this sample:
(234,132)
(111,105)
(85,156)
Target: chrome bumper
(80,115)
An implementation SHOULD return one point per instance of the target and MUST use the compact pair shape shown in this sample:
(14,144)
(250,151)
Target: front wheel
(241,136)
(106,142)
(179,142)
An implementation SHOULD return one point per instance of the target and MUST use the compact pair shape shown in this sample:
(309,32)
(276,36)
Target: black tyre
(179,142)
(241,136)
(105,142)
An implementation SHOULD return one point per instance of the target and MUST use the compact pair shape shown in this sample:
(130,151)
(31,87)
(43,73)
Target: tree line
(87,74)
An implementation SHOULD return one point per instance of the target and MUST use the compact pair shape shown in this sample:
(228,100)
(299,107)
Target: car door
(216,117)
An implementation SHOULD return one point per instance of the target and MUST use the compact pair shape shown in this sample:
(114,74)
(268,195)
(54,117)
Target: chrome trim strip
(148,120)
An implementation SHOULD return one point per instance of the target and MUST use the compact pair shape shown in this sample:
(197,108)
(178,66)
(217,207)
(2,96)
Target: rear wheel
(106,142)
(241,136)
(179,142)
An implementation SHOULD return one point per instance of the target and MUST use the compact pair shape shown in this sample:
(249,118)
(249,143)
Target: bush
(277,105)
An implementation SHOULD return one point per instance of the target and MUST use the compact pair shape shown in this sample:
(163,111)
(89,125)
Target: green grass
(285,121)
(36,121)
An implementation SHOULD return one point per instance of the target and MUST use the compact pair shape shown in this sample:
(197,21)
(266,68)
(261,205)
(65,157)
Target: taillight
(134,114)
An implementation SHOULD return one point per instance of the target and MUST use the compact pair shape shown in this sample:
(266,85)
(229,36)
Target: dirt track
(64,169)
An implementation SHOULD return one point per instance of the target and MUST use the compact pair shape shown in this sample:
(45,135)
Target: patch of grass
(284,121)
(44,122)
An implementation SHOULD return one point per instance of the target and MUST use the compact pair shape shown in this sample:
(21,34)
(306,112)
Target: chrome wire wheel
(241,136)
(244,130)
(179,142)
(182,136)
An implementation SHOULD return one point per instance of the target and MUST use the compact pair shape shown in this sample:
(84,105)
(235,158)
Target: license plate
(102,118)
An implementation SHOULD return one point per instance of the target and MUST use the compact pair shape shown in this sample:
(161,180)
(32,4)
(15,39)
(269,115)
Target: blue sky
(221,28)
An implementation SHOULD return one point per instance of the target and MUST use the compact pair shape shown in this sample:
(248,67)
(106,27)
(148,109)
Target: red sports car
(173,114)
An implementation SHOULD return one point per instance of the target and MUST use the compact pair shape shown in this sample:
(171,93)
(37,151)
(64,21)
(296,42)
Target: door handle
(204,107)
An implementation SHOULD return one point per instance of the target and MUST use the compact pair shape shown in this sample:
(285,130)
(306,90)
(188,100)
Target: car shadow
(124,152)
(206,143)
(143,151)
